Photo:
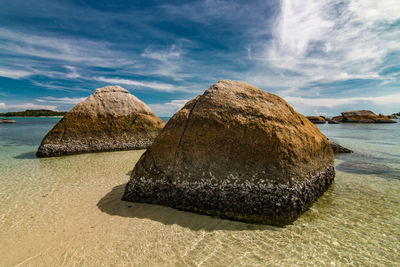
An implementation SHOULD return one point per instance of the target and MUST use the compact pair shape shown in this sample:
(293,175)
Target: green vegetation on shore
(33,113)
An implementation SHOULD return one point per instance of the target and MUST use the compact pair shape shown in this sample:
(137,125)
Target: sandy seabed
(67,211)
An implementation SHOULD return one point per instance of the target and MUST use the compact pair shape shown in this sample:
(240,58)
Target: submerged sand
(67,211)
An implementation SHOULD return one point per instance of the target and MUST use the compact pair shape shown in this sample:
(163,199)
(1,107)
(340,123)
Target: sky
(321,56)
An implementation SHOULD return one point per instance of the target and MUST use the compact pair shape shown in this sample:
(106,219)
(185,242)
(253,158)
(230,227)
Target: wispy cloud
(171,53)
(167,62)
(14,74)
(169,108)
(334,102)
(313,106)
(53,86)
(164,87)
(73,74)
(83,51)
(61,100)
(322,41)
(25,106)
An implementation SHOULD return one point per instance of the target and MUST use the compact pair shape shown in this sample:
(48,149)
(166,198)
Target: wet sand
(67,211)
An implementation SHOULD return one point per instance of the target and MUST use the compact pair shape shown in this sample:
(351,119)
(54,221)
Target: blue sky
(322,56)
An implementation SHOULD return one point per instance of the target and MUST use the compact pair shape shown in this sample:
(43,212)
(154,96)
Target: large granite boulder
(236,152)
(110,119)
(362,116)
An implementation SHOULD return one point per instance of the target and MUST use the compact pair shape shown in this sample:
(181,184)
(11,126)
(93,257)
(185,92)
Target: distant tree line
(33,113)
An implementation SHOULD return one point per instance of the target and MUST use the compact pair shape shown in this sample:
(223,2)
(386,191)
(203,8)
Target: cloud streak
(336,102)
(169,108)
(324,41)
(78,50)
(61,100)
(163,87)
(24,106)
(14,74)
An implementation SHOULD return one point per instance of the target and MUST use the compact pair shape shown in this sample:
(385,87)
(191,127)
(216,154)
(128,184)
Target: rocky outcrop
(393,116)
(362,116)
(338,149)
(236,152)
(331,121)
(316,119)
(337,119)
(7,121)
(110,119)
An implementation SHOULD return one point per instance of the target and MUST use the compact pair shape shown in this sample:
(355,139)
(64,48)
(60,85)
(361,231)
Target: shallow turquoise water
(67,211)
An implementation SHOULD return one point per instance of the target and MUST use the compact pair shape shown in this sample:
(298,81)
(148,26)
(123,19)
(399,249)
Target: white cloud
(73,50)
(302,104)
(167,62)
(322,41)
(73,74)
(61,100)
(25,106)
(163,87)
(52,86)
(162,55)
(169,108)
(14,74)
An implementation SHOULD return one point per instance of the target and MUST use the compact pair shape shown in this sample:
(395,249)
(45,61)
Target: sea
(67,211)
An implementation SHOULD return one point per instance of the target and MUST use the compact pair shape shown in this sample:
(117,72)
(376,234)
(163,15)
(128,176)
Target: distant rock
(338,149)
(337,119)
(316,119)
(393,116)
(362,116)
(110,119)
(7,121)
(236,152)
(331,121)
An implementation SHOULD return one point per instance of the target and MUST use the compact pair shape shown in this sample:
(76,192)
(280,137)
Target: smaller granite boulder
(110,119)
(316,119)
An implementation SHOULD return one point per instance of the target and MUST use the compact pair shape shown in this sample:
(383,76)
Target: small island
(355,116)
(34,113)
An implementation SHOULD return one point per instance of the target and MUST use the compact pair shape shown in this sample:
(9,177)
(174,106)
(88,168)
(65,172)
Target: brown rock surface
(109,119)
(331,121)
(236,152)
(363,116)
(337,118)
(316,119)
